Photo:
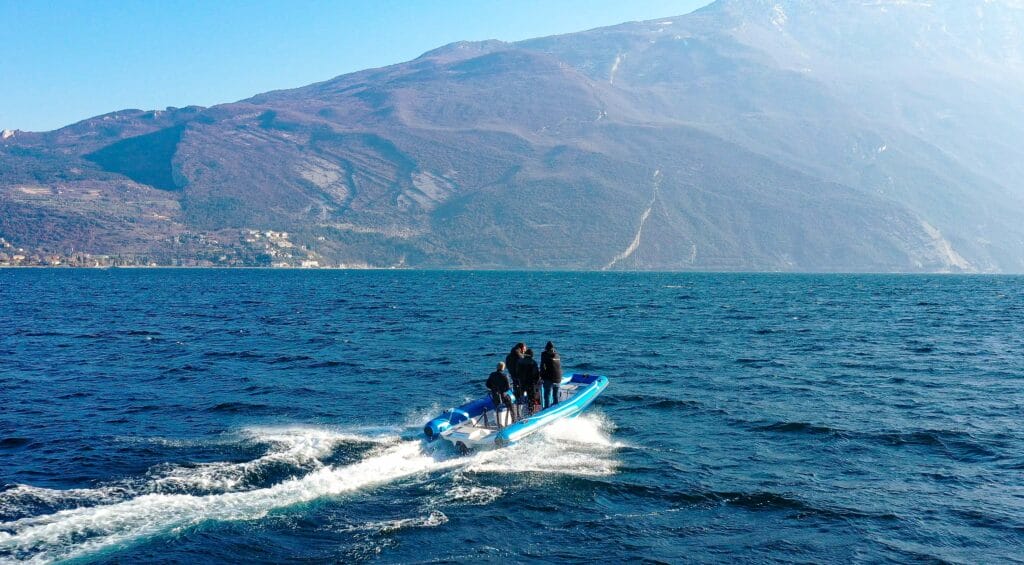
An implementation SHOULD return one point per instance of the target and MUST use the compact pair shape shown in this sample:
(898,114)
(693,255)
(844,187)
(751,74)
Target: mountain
(786,135)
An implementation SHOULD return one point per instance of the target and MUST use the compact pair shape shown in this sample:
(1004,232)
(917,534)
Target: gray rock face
(792,135)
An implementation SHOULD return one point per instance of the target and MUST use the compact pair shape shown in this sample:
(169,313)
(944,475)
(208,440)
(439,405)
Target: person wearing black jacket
(529,379)
(512,363)
(550,374)
(497,384)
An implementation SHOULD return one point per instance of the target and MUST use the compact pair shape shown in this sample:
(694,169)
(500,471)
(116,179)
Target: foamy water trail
(293,447)
(433,519)
(300,448)
(74,533)
(579,447)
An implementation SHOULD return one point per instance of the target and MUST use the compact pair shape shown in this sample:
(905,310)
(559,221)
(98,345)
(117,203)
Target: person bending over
(497,384)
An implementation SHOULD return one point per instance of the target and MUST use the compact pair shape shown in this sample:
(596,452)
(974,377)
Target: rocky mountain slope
(808,135)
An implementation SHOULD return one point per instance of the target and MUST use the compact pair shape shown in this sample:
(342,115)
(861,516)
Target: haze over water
(168,415)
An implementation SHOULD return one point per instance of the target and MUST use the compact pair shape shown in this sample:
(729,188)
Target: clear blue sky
(62,61)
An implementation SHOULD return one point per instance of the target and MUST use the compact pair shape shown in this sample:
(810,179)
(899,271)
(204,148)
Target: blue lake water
(267,416)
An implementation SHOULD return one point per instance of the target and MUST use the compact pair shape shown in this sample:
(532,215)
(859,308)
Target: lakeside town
(250,248)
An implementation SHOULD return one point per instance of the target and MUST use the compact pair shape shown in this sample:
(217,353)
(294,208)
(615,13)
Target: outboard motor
(447,419)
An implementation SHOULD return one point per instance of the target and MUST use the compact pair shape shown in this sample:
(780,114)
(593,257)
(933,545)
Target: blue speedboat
(474,425)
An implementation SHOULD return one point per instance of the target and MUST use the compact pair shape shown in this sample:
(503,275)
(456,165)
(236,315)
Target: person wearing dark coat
(498,385)
(550,374)
(529,379)
(512,363)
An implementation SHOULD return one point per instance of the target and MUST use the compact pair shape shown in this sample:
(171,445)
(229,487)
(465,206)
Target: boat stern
(469,438)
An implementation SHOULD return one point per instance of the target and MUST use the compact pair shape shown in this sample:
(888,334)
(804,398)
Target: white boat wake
(105,525)
(298,447)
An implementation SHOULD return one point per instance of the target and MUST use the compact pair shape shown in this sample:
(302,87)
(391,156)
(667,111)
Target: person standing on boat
(512,362)
(529,379)
(497,384)
(550,374)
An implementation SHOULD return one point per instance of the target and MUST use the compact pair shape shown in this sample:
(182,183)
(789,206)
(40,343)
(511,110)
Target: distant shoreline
(504,270)
(211,267)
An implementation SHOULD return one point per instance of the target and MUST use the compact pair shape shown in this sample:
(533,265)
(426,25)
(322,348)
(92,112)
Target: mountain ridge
(542,154)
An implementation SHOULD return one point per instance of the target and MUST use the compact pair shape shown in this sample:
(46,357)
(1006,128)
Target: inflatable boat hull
(474,424)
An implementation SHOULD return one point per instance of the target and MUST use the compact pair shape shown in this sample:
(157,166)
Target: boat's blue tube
(455,416)
(595,384)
